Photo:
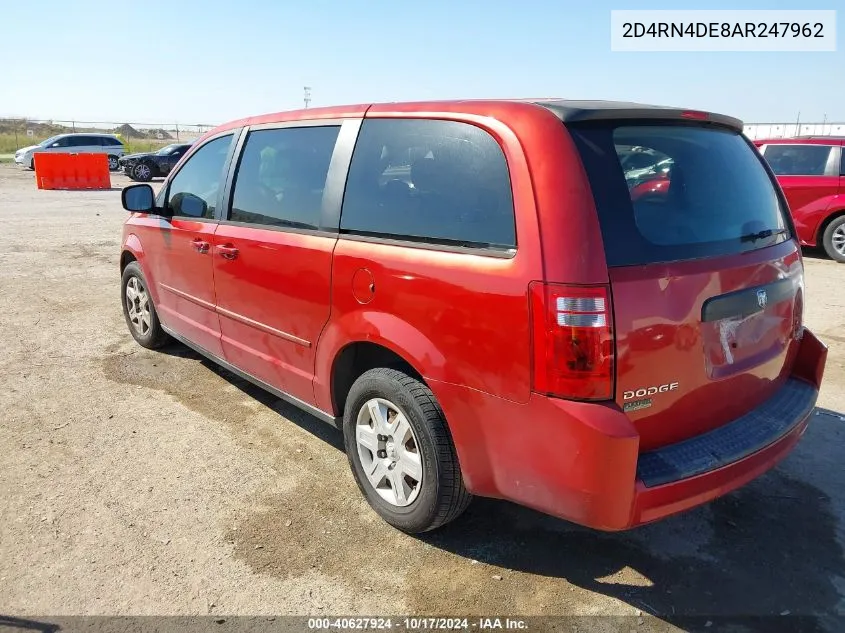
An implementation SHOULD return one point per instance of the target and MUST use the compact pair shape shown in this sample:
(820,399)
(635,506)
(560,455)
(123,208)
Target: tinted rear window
(676,192)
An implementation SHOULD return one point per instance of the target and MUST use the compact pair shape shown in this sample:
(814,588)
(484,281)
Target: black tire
(834,231)
(142,172)
(113,163)
(442,496)
(153,337)
(32,164)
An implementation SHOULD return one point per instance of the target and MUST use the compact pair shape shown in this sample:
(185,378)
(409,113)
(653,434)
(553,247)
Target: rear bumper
(581,461)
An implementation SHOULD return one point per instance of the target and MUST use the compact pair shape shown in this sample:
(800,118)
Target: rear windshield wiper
(760,235)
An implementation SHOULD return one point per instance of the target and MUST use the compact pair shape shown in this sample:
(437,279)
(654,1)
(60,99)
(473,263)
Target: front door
(181,246)
(273,255)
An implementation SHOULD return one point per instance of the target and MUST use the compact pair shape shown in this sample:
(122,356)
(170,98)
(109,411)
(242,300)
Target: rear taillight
(572,341)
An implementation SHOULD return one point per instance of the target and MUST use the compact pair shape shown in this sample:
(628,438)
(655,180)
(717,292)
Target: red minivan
(469,292)
(811,172)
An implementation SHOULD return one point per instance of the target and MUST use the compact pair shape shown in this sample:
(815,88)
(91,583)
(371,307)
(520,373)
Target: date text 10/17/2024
(418,624)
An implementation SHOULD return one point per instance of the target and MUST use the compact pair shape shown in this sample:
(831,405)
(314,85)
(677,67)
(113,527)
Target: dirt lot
(135,482)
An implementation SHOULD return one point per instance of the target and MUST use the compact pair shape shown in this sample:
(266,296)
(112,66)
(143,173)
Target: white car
(75,144)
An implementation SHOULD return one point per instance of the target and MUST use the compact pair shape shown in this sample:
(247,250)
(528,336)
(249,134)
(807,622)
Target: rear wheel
(142,172)
(138,309)
(833,239)
(401,452)
(113,165)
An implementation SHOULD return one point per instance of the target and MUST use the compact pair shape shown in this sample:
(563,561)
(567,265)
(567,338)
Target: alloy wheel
(142,172)
(838,239)
(138,306)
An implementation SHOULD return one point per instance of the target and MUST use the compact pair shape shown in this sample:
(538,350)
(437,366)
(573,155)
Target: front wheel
(113,164)
(833,239)
(401,452)
(142,172)
(138,309)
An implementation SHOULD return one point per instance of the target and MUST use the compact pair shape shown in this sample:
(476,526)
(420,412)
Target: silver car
(80,143)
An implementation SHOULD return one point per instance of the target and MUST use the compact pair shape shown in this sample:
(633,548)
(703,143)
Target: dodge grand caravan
(468,291)
(811,173)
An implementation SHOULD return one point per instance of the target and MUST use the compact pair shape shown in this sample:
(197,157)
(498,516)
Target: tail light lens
(572,341)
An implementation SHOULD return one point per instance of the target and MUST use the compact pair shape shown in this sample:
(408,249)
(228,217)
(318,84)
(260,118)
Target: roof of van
(801,140)
(565,109)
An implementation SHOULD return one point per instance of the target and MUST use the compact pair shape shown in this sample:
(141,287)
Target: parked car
(642,164)
(468,292)
(650,188)
(145,166)
(811,172)
(107,144)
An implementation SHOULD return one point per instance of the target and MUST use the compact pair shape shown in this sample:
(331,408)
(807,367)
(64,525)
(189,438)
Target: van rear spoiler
(582,111)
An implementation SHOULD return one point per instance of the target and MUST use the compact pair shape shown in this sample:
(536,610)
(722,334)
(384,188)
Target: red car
(467,290)
(811,172)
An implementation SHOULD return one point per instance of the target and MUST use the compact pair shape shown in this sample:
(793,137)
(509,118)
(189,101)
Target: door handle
(201,246)
(227,251)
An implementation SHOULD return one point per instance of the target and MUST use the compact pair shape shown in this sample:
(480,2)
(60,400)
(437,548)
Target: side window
(62,142)
(842,161)
(79,141)
(193,191)
(281,176)
(798,160)
(430,181)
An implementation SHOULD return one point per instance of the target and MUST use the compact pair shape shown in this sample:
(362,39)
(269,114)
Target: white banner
(723,30)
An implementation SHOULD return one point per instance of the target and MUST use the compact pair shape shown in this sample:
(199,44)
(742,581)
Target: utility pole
(306,91)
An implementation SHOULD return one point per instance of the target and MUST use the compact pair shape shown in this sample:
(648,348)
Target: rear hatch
(706,279)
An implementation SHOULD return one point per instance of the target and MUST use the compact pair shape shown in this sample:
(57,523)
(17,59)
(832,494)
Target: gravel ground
(136,482)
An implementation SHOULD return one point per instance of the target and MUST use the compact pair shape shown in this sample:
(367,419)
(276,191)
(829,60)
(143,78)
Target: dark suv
(143,167)
(470,291)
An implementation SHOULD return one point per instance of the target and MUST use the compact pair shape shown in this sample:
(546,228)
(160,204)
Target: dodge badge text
(649,391)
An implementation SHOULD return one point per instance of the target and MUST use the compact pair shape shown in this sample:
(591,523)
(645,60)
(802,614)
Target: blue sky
(207,62)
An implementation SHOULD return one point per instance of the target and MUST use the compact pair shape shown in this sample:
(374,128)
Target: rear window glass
(676,192)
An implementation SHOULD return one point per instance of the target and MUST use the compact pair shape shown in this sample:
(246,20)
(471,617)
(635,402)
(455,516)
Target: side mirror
(138,198)
(189,205)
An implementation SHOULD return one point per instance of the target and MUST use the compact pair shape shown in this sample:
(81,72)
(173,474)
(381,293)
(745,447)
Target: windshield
(167,149)
(686,192)
(49,140)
